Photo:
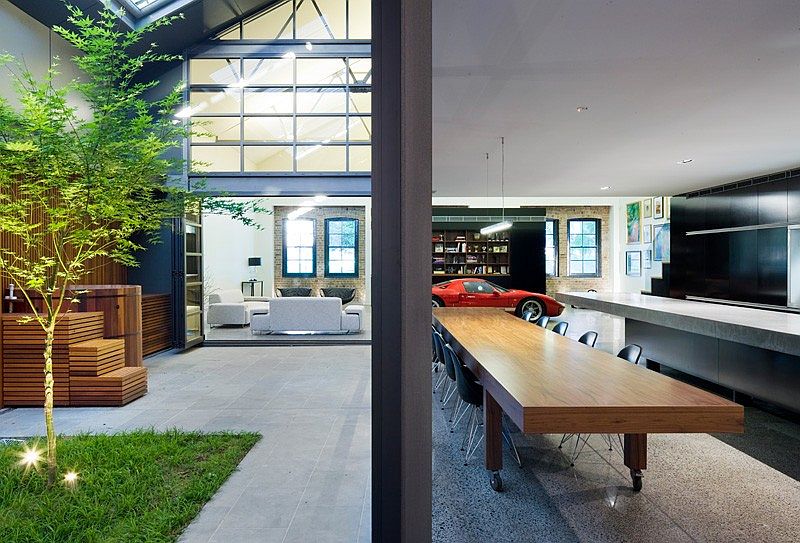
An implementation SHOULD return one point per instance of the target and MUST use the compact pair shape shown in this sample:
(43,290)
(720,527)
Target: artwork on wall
(634,221)
(667,204)
(647,208)
(661,242)
(647,260)
(647,233)
(633,263)
(658,207)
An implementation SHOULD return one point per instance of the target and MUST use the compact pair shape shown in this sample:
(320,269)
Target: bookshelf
(468,253)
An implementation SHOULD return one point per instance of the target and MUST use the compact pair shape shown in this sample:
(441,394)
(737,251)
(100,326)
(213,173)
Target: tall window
(341,247)
(584,247)
(286,108)
(551,247)
(299,249)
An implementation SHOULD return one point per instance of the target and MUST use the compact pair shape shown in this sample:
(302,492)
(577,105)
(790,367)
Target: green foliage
(142,486)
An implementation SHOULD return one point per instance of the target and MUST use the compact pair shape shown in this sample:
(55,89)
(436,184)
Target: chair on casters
(589,338)
(541,321)
(632,353)
(561,328)
(471,394)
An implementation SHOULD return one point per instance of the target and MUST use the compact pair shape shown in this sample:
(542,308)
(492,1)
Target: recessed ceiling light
(581,109)
(309,46)
(685,161)
(605,188)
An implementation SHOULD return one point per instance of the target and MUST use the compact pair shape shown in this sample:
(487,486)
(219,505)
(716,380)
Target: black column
(401,229)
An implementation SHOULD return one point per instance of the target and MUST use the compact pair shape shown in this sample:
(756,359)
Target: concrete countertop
(773,330)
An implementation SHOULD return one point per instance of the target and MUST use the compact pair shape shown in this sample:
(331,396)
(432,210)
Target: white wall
(35,45)
(227,244)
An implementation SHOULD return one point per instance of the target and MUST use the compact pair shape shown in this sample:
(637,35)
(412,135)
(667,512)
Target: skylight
(139,12)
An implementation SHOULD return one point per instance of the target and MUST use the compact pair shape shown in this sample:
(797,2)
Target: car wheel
(436,302)
(532,307)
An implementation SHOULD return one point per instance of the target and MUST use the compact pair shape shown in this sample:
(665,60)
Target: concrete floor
(309,477)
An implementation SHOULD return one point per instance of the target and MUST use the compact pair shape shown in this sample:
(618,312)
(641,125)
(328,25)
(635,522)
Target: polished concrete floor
(242,335)
(308,479)
(696,487)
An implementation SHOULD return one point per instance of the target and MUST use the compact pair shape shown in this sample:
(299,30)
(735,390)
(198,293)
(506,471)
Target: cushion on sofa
(226,296)
(293,292)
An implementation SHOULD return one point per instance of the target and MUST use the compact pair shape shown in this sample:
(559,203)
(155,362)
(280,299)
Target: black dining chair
(471,393)
(589,338)
(438,343)
(542,321)
(631,353)
(561,328)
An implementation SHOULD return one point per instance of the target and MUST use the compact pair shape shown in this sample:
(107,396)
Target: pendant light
(503,224)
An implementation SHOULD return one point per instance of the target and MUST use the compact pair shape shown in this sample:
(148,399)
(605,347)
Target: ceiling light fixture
(581,109)
(289,55)
(503,224)
(309,47)
(606,187)
(685,161)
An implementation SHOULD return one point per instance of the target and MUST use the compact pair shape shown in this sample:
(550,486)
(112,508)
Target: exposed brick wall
(320,281)
(563,282)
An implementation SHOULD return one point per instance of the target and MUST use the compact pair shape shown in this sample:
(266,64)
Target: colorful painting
(658,207)
(647,208)
(633,263)
(661,242)
(647,260)
(634,222)
(647,234)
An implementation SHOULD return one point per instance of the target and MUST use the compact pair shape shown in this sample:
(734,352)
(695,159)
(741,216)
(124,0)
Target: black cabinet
(772,202)
(744,206)
(743,266)
(717,271)
(772,266)
(793,201)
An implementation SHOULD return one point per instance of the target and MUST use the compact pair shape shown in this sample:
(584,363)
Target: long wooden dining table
(546,384)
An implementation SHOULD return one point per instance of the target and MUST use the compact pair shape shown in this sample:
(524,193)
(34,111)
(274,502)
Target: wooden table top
(549,383)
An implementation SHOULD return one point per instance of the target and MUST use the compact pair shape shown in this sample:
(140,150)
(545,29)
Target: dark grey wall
(730,242)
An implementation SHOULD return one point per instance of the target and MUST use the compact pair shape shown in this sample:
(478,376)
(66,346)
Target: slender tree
(78,191)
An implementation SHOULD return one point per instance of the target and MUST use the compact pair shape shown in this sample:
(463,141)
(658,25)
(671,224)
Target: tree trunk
(48,399)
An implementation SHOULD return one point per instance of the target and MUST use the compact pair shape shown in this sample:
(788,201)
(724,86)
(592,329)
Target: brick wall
(320,281)
(563,282)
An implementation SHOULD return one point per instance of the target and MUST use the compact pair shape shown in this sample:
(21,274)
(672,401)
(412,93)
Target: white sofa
(231,307)
(309,314)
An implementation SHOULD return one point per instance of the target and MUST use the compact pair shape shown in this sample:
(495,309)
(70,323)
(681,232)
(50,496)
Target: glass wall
(304,110)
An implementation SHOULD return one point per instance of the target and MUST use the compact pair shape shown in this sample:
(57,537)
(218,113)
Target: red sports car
(475,292)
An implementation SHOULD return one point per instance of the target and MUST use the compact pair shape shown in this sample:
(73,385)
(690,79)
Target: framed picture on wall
(647,260)
(658,207)
(633,263)
(634,222)
(661,242)
(647,208)
(647,233)
(667,204)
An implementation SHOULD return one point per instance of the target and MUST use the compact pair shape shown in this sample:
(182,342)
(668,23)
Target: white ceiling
(717,81)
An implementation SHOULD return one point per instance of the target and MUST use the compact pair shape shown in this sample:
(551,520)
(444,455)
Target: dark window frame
(284,256)
(328,247)
(556,254)
(597,247)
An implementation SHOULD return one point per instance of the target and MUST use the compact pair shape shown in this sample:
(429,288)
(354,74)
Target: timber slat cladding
(114,388)
(96,357)
(156,323)
(23,362)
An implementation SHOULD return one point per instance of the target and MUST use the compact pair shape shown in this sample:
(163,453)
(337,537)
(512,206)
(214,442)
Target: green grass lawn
(140,486)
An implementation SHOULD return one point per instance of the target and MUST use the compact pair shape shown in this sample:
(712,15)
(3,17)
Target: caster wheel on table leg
(636,478)
(496,481)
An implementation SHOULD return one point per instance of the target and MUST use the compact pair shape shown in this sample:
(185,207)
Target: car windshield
(498,288)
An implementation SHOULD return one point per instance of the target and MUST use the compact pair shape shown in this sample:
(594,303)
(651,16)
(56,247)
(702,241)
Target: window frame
(597,247)
(285,256)
(556,254)
(328,247)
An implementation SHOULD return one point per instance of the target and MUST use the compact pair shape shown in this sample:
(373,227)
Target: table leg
(636,457)
(493,427)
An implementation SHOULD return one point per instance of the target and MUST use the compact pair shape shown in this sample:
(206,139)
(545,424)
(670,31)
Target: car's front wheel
(437,302)
(531,308)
